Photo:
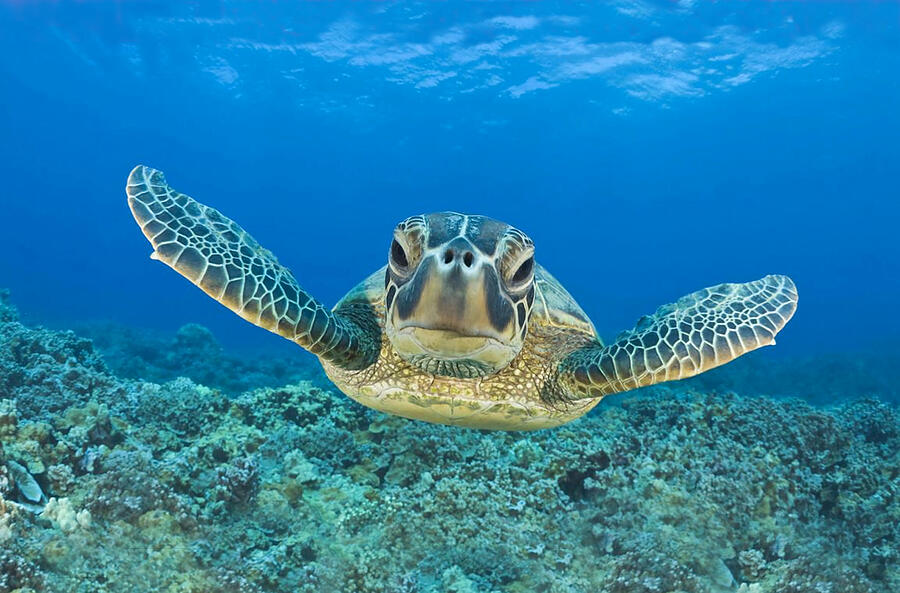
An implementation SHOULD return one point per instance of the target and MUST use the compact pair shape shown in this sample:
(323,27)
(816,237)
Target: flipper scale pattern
(700,331)
(229,265)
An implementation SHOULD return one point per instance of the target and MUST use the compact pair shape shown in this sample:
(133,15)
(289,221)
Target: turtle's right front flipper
(220,257)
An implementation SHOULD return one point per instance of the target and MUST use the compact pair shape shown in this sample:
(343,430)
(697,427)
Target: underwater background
(152,441)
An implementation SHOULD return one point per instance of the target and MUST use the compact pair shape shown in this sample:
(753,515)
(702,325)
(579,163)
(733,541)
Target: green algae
(179,487)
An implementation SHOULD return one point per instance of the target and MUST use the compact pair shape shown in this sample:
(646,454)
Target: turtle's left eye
(524,271)
(398,254)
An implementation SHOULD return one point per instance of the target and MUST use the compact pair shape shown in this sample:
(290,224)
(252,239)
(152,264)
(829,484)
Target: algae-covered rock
(6,483)
(8,312)
(46,371)
(66,518)
(238,481)
(194,353)
(183,487)
(18,574)
(8,418)
(60,479)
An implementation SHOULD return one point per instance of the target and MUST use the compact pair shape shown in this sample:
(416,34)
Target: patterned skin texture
(510,399)
(461,273)
(221,258)
(564,369)
(561,372)
(701,331)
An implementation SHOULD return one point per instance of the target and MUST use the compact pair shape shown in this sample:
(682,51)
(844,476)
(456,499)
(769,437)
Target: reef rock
(180,486)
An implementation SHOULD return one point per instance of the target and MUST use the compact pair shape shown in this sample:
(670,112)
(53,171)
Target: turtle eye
(398,254)
(524,271)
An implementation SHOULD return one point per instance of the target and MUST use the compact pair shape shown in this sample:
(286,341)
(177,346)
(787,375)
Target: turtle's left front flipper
(220,257)
(701,331)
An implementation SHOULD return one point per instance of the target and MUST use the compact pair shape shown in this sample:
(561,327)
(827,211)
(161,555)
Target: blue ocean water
(649,148)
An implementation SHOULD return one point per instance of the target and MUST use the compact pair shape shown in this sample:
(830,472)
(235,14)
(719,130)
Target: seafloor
(213,483)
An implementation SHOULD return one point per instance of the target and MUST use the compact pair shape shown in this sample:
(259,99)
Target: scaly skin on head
(458,293)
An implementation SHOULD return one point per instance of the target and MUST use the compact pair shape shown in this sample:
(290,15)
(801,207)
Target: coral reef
(193,352)
(173,485)
(7,310)
(820,379)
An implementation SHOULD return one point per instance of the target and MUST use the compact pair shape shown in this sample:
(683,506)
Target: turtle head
(458,293)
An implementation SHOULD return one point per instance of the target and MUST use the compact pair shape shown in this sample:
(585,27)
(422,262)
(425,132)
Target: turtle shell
(518,397)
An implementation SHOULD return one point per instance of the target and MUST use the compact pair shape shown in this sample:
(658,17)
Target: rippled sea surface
(150,440)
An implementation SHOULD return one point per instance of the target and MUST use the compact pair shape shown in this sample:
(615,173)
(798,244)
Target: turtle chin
(449,353)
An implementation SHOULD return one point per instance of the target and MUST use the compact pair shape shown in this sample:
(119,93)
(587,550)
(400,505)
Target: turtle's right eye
(398,254)
(524,271)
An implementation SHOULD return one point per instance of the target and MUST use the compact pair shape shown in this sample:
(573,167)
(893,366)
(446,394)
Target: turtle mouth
(449,352)
(446,343)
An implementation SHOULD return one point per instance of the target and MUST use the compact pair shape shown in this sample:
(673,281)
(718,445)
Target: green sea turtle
(461,326)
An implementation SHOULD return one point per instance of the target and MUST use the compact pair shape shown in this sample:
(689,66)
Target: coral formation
(46,371)
(7,310)
(173,485)
(821,379)
(193,352)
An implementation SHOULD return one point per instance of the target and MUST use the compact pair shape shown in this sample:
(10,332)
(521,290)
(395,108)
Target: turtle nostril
(448,256)
(468,258)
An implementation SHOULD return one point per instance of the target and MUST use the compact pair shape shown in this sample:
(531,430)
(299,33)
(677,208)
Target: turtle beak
(453,311)
(455,292)
(448,308)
